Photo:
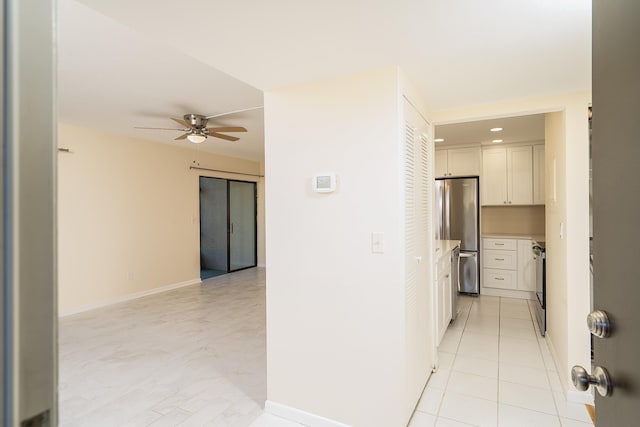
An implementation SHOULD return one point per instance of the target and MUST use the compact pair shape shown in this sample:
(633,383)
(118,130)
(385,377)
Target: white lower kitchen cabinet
(443,297)
(508,267)
(526,266)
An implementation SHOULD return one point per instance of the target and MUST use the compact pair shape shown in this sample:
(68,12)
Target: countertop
(444,247)
(536,237)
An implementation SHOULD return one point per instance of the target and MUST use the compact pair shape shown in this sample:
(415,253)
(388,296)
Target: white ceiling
(457,53)
(514,129)
(113,78)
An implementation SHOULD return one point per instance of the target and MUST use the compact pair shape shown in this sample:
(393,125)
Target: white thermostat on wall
(324,183)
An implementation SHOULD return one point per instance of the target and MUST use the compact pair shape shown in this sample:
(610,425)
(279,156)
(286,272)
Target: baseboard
(571,394)
(298,416)
(507,293)
(576,396)
(128,297)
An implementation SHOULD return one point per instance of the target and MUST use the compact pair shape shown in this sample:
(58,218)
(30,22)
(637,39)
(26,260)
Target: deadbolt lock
(599,324)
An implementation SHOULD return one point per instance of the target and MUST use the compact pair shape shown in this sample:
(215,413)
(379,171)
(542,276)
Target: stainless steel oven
(540,255)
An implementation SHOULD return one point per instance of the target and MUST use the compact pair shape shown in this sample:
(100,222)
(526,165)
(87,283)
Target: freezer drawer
(469,273)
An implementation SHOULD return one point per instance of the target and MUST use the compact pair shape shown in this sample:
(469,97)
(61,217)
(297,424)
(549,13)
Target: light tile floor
(196,356)
(496,371)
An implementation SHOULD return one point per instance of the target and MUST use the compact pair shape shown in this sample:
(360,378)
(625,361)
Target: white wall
(567,141)
(556,214)
(128,220)
(334,309)
(262,255)
(576,176)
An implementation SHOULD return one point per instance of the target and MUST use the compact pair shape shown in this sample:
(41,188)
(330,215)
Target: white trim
(556,362)
(299,416)
(507,293)
(571,394)
(585,397)
(128,297)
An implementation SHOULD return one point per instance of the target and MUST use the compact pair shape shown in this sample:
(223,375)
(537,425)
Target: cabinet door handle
(499,244)
(499,259)
(500,278)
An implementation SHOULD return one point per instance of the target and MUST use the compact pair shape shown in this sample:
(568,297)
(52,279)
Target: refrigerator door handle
(458,269)
(466,255)
(447,217)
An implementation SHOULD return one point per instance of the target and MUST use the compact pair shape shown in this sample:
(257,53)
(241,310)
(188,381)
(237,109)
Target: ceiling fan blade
(233,112)
(183,136)
(138,127)
(228,129)
(221,136)
(182,122)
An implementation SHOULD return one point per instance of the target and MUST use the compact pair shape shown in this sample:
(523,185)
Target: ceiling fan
(195,127)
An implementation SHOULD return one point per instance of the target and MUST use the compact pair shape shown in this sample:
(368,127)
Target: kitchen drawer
(502,244)
(506,260)
(502,279)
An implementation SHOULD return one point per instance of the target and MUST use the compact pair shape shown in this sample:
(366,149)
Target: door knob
(600,378)
(599,324)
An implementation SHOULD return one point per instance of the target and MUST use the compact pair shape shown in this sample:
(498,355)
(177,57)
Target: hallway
(496,370)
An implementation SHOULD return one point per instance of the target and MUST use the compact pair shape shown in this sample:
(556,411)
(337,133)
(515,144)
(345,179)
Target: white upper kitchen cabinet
(507,176)
(441,163)
(520,175)
(538,175)
(494,176)
(458,162)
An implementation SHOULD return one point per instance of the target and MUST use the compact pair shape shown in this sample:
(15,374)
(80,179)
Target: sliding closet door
(213,225)
(242,225)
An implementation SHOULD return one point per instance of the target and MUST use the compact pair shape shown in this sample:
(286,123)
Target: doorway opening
(228,226)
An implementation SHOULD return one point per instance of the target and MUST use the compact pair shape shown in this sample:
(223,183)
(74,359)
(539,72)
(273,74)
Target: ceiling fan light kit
(196,138)
(196,130)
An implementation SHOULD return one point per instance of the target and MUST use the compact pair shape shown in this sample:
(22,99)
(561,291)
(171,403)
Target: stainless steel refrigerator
(457,218)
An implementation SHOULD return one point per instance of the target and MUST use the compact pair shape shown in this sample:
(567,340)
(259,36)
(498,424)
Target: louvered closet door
(418,192)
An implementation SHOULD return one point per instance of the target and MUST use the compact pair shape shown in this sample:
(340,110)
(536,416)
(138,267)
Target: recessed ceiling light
(495,141)
(439,140)
(495,129)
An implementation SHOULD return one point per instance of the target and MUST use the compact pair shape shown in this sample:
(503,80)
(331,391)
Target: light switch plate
(377,243)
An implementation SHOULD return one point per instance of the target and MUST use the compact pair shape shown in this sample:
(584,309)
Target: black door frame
(255,221)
